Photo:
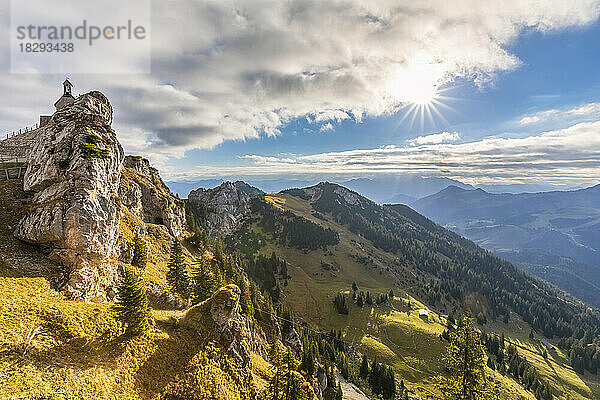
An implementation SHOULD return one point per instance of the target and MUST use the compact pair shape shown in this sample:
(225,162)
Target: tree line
(292,230)
(461,268)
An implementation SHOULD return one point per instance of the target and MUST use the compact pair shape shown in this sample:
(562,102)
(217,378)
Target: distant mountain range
(555,235)
(400,189)
(387,189)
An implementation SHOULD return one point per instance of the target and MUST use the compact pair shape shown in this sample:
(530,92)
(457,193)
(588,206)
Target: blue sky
(559,70)
(319,89)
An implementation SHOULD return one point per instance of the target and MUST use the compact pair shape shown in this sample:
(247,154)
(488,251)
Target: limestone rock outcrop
(292,339)
(145,194)
(223,208)
(218,318)
(73,176)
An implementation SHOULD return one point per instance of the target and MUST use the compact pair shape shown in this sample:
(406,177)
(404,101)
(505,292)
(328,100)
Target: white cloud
(566,156)
(436,138)
(331,115)
(239,69)
(580,113)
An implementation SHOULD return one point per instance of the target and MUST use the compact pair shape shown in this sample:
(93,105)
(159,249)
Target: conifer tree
(177,276)
(465,359)
(131,307)
(285,384)
(275,389)
(140,252)
(203,283)
(308,358)
(364,367)
(339,395)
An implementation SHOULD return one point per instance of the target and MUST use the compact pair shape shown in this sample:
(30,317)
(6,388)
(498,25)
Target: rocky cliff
(73,176)
(145,194)
(81,187)
(224,208)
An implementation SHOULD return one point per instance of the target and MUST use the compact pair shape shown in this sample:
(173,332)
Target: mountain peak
(453,189)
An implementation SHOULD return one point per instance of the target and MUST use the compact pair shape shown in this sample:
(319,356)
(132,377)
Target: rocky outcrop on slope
(224,208)
(73,176)
(218,318)
(292,339)
(145,194)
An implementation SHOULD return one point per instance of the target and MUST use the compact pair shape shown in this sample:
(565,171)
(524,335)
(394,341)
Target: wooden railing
(12,159)
(12,173)
(20,131)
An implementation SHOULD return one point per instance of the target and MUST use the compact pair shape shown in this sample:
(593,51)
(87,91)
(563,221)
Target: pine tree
(364,367)
(339,395)
(275,390)
(140,252)
(131,307)
(291,387)
(465,359)
(177,276)
(286,383)
(360,299)
(308,358)
(203,283)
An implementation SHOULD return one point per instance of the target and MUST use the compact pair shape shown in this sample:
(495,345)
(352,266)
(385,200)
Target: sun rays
(426,105)
(419,90)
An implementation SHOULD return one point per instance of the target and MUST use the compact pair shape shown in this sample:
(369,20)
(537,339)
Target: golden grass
(275,201)
(390,334)
(53,348)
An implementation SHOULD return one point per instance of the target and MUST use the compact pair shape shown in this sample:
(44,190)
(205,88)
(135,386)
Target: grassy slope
(389,333)
(54,348)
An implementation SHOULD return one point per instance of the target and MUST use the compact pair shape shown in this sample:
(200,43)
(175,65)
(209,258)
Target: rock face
(161,299)
(218,319)
(145,194)
(292,339)
(223,208)
(73,176)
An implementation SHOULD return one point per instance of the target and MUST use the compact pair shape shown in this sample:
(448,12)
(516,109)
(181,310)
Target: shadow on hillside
(172,354)
(19,259)
(79,353)
(161,356)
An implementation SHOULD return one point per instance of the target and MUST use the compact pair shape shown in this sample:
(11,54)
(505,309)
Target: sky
(483,92)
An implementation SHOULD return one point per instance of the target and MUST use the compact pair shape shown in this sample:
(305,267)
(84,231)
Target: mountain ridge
(323,270)
(519,226)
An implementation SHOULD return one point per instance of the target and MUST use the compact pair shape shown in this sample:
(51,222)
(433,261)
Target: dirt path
(350,391)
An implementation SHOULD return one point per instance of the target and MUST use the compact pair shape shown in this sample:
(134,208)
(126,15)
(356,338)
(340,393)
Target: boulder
(217,319)
(292,339)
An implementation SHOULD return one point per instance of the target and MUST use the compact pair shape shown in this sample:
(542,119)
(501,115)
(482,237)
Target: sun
(422,95)
(418,86)
(417,90)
